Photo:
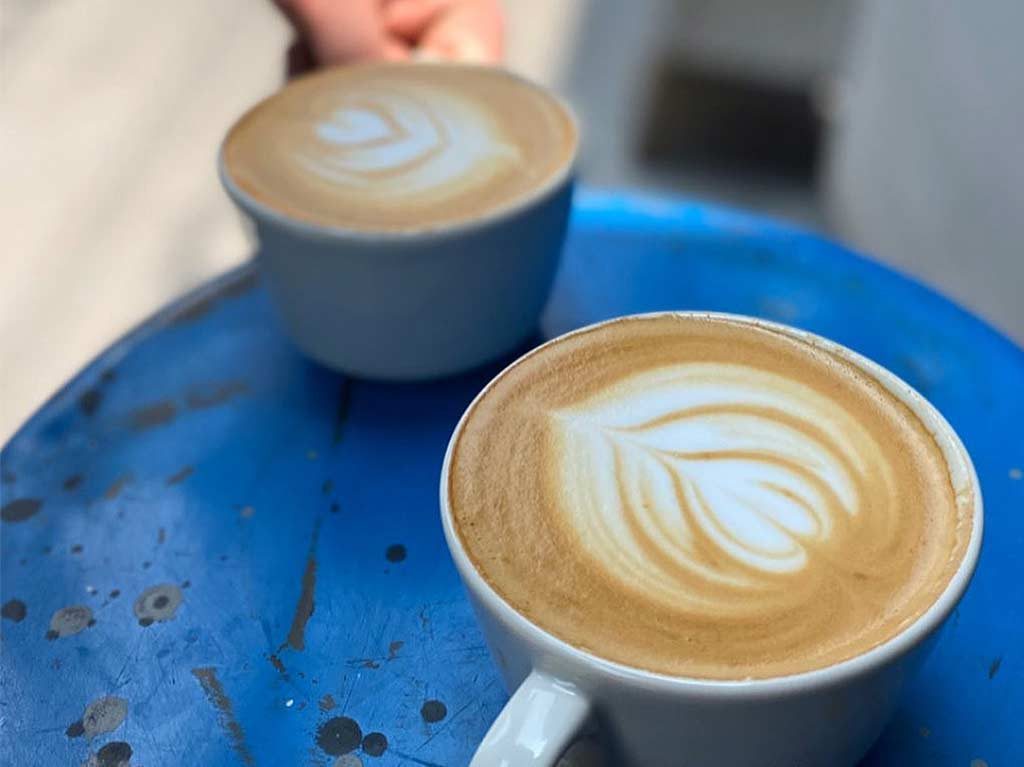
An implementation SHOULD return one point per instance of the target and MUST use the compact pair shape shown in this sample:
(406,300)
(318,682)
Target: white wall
(928,169)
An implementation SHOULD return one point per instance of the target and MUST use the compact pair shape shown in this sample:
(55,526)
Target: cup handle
(536,726)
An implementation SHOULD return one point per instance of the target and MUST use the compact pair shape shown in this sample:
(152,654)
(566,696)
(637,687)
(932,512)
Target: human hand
(341,31)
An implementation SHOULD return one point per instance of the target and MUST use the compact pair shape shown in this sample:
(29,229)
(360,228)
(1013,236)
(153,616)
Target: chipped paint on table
(216,553)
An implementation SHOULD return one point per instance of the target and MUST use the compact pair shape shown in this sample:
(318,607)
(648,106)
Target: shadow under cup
(826,716)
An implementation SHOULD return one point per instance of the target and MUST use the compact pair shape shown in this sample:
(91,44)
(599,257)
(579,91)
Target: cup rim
(752,688)
(511,208)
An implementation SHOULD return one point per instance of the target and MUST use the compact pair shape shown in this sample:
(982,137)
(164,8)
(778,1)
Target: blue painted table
(216,553)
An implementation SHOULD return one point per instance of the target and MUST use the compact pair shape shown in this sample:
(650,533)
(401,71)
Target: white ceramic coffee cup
(413,304)
(829,716)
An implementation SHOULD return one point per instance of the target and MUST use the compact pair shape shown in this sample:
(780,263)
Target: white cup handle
(536,726)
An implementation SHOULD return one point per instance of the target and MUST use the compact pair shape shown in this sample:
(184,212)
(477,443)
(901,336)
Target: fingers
(395,50)
(411,18)
(299,59)
(471,31)
(342,31)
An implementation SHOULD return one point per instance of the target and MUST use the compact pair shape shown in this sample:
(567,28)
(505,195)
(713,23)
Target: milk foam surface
(399,146)
(704,498)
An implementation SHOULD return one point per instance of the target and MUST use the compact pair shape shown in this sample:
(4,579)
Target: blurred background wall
(836,114)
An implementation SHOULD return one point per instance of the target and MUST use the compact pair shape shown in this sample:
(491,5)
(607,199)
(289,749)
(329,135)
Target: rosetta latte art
(705,497)
(699,483)
(380,147)
(398,145)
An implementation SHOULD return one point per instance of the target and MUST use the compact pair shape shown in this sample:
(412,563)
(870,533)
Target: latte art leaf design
(702,483)
(398,145)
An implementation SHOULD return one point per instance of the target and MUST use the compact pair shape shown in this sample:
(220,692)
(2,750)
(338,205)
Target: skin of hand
(343,31)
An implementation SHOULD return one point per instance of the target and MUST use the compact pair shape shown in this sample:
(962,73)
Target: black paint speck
(76,549)
(201,306)
(339,735)
(75,729)
(161,602)
(433,711)
(47,549)
(14,610)
(115,593)
(51,635)
(395,553)
(335,507)
(90,400)
(116,487)
(146,565)
(375,744)
(212,395)
(73,482)
(115,754)
(180,476)
(328,487)
(20,509)
(156,414)
(145,622)
(223,557)
(186,584)
(993,668)
(108,375)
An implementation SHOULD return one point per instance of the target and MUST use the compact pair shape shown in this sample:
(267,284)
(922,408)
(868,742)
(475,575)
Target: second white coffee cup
(410,302)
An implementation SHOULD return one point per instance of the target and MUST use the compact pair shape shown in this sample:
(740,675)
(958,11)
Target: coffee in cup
(409,216)
(399,147)
(704,497)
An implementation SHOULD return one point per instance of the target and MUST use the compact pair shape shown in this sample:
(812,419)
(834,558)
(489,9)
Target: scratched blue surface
(202,451)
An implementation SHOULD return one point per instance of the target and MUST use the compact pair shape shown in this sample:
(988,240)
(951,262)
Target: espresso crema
(385,147)
(704,497)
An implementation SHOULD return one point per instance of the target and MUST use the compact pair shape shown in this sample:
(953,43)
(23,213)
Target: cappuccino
(400,147)
(703,496)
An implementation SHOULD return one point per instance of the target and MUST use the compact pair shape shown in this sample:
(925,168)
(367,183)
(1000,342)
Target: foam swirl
(398,145)
(705,497)
(700,483)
